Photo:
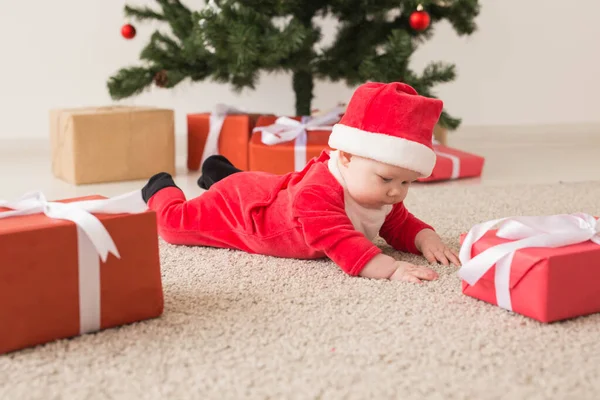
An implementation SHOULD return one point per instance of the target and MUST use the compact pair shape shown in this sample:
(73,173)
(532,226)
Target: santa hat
(390,123)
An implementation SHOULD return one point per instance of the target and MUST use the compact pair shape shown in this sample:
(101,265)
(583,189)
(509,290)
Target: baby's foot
(155,183)
(214,169)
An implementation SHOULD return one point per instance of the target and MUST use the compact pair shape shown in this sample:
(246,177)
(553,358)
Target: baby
(335,206)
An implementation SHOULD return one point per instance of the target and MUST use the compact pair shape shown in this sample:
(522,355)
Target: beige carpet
(250,327)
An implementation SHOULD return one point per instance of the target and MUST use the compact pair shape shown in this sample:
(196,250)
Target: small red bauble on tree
(419,20)
(128,31)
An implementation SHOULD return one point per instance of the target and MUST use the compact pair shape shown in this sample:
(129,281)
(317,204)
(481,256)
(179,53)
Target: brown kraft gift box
(111,144)
(440,134)
(40,274)
(233,138)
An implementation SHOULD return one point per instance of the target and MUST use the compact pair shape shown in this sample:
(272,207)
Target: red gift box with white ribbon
(76,266)
(454,164)
(280,145)
(544,267)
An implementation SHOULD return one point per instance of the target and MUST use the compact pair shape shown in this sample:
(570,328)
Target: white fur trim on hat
(383,148)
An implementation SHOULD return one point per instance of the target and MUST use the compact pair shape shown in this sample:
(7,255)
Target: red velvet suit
(297,215)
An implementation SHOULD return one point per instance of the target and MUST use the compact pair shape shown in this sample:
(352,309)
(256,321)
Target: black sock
(214,169)
(155,183)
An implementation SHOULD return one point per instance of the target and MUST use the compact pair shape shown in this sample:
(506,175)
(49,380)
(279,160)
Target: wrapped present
(75,266)
(225,131)
(454,164)
(440,134)
(546,268)
(282,145)
(109,144)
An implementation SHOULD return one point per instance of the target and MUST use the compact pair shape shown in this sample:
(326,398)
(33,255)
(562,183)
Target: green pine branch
(161,50)
(142,14)
(448,121)
(130,81)
(174,77)
(438,72)
(178,16)
(460,14)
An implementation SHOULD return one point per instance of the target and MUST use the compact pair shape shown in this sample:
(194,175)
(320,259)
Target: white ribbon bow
(216,120)
(287,129)
(545,231)
(94,241)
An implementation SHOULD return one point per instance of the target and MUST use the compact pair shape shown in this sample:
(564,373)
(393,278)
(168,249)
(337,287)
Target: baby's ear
(345,157)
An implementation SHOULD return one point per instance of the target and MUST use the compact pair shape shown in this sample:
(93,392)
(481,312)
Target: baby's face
(374,184)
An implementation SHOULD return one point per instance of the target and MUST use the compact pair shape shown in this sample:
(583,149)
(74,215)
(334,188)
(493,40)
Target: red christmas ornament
(419,20)
(128,31)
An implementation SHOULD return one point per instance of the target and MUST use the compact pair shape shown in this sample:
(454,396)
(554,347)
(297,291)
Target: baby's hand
(385,267)
(430,244)
(408,272)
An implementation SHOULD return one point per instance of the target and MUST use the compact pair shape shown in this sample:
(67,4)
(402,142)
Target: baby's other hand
(430,244)
(408,272)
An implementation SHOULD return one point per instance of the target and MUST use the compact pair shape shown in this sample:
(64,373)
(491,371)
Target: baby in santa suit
(336,205)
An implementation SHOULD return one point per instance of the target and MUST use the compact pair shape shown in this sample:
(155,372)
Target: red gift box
(288,156)
(57,282)
(454,164)
(226,131)
(282,145)
(553,275)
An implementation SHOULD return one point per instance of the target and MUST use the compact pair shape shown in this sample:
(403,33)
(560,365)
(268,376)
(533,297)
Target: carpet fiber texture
(238,326)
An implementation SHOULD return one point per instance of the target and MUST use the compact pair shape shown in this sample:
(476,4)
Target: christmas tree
(232,42)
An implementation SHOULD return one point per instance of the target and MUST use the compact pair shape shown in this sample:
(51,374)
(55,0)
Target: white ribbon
(216,120)
(300,148)
(94,243)
(545,231)
(455,161)
(286,129)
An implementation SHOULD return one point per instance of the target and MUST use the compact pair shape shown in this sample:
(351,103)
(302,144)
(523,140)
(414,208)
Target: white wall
(60,53)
